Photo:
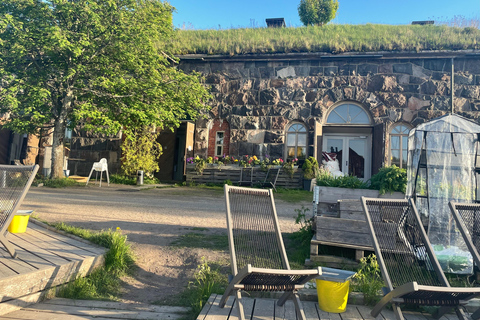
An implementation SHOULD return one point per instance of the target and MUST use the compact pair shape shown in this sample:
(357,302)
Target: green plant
(207,280)
(299,248)
(228,182)
(389,179)
(328,38)
(289,167)
(310,168)
(200,164)
(141,151)
(122,179)
(58,183)
(317,12)
(368,279)
(324,178)
(103,283)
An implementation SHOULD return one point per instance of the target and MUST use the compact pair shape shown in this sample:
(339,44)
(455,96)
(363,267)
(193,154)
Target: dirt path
(151,219)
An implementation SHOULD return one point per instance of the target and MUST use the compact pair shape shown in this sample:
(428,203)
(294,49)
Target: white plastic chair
(99,166)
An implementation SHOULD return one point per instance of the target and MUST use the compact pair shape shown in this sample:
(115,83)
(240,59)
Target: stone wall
(259,95)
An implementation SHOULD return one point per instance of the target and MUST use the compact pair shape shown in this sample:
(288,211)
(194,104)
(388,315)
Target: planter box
(341,221)
(333,194)
(232,172)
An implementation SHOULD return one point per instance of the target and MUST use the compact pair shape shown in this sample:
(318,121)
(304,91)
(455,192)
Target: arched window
(399,145)
(296,141)
(348,113)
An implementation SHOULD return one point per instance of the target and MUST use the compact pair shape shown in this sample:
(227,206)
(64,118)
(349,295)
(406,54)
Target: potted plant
(310,171)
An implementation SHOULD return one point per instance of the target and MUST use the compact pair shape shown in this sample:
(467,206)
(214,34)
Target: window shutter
(378,147)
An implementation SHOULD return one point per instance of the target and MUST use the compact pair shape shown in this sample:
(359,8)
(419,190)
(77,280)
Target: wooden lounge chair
(467,218)
(14,184)
(246,177)
(258,257)
(409,267)
(270,180)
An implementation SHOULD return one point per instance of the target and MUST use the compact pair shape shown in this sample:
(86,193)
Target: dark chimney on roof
(275,22)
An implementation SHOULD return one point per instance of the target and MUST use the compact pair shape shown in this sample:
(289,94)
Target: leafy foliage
(103,283)
(317,12)
(310,168)
(368,279)
(299,249)
(389,179)
(324,178)
(141,151)
(102,64)
(207,280)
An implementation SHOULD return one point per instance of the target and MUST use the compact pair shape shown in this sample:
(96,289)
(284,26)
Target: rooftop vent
(275,22)
(423,22)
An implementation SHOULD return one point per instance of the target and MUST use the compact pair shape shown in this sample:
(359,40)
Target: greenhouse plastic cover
(447,173)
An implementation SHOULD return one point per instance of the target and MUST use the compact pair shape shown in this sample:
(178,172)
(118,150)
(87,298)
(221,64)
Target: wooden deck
(67,309)
(266,309)
(45,259)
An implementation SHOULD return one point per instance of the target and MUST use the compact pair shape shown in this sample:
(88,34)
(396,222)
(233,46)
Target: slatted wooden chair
(270,180)
(14,184)
(409,267)
(258,257)
(467,218)
(246,177)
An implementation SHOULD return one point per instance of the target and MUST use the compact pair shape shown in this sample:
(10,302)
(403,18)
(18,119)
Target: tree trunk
(57,149)
(59,126)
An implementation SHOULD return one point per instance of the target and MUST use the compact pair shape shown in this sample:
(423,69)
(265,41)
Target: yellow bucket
(332,296)
(19,223)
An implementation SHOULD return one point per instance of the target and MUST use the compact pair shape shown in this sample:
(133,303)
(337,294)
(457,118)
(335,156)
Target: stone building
(358,106)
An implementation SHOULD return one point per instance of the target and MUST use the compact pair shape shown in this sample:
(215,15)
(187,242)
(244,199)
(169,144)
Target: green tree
(101,63)
(141,151)
(317,12)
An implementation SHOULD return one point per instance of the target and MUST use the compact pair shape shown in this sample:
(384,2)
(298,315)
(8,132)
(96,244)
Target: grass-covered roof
(328,39)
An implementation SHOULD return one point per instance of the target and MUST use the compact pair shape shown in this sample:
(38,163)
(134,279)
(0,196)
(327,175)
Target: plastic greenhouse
(443,165)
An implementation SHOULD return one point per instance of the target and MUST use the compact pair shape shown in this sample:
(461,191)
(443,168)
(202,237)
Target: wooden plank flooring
(267,309)
(67,309)
(45,259)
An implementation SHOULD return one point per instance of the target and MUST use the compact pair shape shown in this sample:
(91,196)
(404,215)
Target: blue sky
(212,14)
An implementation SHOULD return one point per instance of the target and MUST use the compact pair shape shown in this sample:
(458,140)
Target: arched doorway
(347,132)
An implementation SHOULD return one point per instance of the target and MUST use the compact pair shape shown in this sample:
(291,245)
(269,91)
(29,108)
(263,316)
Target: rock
(286,72)
(417,104)
(269,97)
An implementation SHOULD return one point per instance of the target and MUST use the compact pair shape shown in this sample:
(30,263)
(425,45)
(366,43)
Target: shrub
(368,279)
(324,178)
(310,168)
(389,179)
(141,152)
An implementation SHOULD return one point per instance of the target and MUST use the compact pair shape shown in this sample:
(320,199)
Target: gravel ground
(151,219)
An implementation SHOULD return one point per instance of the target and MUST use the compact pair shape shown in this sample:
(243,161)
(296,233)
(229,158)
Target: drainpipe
(452,88)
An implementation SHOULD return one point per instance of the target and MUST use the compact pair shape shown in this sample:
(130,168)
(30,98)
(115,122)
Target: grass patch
(199,240)
(298,242)
(57,183)
(293,195)
(122,179)
(103,283)
(331,38)
(209,278)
